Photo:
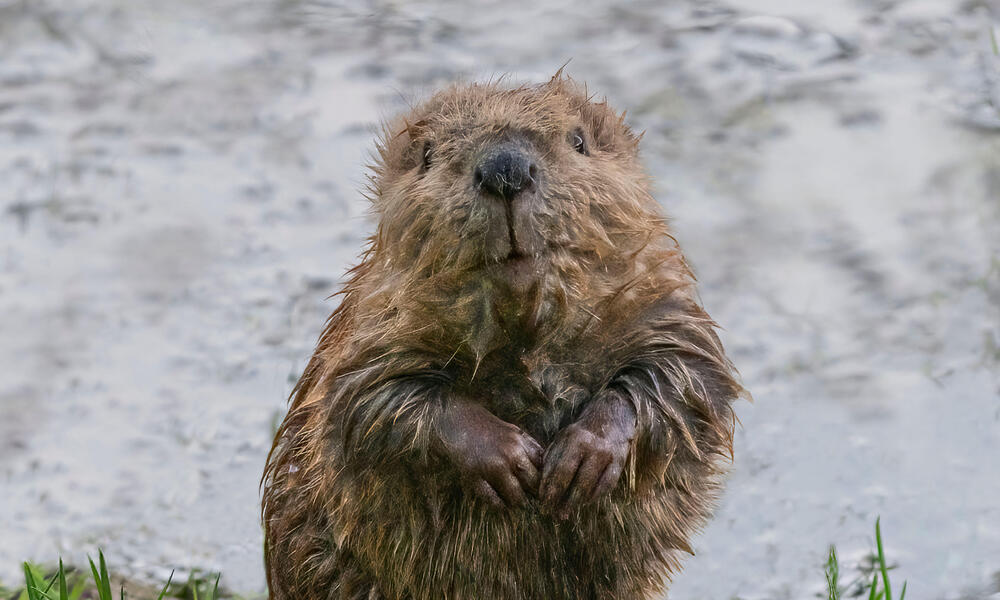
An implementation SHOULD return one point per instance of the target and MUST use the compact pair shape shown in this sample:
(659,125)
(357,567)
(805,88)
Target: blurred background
(180,195)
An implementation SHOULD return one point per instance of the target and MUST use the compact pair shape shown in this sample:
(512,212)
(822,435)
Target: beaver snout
(505,172)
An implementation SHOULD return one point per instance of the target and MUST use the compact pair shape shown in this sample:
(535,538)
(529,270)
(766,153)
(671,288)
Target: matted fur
(356,505)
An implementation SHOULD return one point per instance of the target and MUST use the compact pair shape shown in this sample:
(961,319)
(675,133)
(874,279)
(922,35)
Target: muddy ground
(180,194)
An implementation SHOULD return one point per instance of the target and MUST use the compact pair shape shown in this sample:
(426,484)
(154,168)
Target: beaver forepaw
(587,458)
(495,459)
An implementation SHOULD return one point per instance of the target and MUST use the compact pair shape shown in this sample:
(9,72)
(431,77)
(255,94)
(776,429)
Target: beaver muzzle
(504,173)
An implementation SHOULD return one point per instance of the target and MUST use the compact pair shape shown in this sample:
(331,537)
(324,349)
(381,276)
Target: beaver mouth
(512,239)
(520,269)
(517,255)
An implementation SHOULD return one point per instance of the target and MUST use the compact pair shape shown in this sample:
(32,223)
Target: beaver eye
(579,143)
(427,154)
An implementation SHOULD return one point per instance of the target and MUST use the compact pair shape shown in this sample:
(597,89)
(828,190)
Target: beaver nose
(505,172)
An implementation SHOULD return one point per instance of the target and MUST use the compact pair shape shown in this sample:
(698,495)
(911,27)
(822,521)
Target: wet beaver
(519,396)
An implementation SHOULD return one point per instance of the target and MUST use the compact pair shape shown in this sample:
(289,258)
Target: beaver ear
(401,145)
(629,137)
(608,130)
(417,129)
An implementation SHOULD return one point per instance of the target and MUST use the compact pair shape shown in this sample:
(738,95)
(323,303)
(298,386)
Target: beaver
(519,395)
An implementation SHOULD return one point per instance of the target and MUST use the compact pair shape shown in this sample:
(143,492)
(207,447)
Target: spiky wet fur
(355,503)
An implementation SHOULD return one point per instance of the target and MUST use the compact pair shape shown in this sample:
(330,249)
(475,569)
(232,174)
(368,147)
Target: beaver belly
(616,548)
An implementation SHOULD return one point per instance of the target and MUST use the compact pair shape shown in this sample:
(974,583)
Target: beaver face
(484,178)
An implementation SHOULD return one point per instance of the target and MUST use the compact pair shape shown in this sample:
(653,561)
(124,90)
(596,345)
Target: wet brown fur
(355,503)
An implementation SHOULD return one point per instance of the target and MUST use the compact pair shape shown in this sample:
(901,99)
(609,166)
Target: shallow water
(181,194)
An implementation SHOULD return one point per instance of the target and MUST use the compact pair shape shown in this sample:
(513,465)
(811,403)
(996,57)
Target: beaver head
(509,214)
(506,181)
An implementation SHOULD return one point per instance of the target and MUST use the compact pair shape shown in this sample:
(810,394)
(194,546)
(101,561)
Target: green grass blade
(872,595)
(881,560)
(215,590)
(105,578)
(30,584)
(97,576)
(51,583)
(993,40)
(36,589)
(63,589)
(101,579)
(903,593)
(163,592)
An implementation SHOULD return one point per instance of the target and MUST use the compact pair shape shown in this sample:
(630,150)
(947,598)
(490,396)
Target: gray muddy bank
(181,193)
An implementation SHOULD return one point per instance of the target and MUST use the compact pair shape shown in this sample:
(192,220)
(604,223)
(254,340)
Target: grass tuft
(70,584)
(878,589)
(832,575)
